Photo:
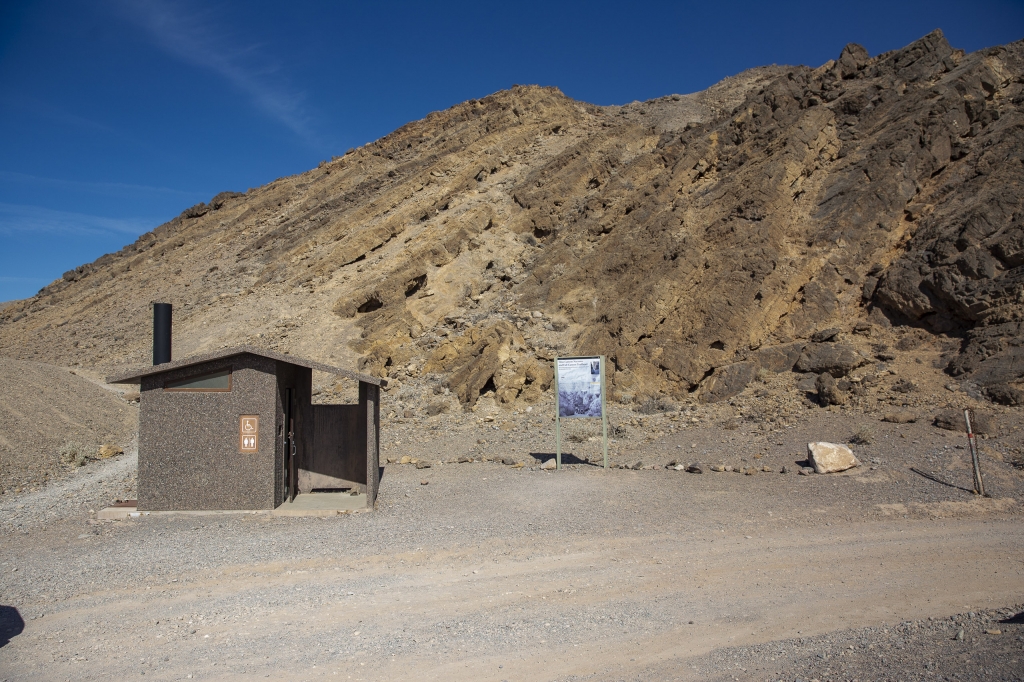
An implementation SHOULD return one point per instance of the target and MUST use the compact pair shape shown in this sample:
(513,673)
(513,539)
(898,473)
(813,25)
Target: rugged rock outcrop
(695,240)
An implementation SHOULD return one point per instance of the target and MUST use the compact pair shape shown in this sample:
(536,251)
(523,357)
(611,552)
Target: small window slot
(210,382)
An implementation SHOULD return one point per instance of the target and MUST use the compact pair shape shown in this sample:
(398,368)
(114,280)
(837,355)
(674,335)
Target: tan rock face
(685,238)
(827,458)
(490,358)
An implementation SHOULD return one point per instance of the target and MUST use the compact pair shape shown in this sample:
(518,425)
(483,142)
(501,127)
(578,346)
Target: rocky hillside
(696,240)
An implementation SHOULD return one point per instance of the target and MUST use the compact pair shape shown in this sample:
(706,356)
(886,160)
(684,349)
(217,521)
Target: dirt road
(492,573)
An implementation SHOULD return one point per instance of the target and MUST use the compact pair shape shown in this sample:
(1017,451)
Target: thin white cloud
(191,38)
(104,188)
(23,218)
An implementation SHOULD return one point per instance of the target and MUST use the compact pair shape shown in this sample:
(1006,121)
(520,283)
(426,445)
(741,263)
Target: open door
(290,473)
(292,456)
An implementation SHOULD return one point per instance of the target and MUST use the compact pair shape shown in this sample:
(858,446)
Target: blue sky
(117,115)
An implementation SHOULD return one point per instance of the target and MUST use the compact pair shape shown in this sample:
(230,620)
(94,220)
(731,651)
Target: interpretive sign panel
(579,392)
(579,387)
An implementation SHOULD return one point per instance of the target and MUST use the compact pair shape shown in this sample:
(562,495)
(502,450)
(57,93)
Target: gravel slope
(45,407)
(74,496)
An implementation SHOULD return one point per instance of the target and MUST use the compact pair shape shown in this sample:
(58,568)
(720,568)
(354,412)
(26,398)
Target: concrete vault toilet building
(236,429)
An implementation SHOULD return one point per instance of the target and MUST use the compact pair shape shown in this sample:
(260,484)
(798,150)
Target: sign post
(558,422)
(580,393)
(604,417)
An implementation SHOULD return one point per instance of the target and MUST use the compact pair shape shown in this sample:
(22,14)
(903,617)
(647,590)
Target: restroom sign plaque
(248,433)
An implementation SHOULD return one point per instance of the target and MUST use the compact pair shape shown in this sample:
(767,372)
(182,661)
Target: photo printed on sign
(579,387)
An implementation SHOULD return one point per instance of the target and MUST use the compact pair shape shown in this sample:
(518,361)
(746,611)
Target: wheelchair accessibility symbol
(248,433)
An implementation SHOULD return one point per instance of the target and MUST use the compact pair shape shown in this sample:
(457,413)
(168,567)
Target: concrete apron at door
(310,504)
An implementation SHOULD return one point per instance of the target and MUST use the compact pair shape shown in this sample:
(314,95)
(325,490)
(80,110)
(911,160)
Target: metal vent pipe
(161,333)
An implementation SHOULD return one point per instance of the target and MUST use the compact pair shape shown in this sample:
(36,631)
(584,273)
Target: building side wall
(188,441)
(369,402)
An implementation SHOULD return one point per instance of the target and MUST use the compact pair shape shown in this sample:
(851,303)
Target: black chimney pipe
(161,333)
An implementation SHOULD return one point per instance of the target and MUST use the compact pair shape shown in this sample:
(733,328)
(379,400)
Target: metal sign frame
(604,410)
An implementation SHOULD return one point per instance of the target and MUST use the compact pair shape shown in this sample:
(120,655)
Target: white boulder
(827,458)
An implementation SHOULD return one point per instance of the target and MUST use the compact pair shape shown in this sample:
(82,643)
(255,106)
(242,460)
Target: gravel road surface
(488,572)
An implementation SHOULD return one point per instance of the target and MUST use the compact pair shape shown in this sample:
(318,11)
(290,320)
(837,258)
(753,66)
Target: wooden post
(979,484)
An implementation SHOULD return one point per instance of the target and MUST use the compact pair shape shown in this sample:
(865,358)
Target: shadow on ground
(567,458)
(11,624)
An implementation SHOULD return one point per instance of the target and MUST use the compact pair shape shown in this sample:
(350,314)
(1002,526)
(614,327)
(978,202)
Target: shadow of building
(11,624)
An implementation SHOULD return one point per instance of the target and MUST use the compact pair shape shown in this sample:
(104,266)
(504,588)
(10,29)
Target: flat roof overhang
(135,376)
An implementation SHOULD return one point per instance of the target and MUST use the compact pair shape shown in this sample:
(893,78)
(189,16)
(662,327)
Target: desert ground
(490,571)
(794,255)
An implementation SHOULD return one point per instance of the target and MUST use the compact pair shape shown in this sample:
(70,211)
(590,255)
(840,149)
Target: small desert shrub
(763,375)
(435,408)
(864,436)
(731,424)
(904,386)
(576,438)
(908,342)
(1017,460)
(73,453)
(653,403)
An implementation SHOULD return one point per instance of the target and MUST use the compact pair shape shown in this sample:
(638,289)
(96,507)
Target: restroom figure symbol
(248,433)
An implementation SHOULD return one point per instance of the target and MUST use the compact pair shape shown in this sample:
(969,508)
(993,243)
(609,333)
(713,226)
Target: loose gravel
(979,645)
(488,571)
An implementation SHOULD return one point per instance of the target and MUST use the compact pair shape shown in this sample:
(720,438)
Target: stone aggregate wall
(188,441)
